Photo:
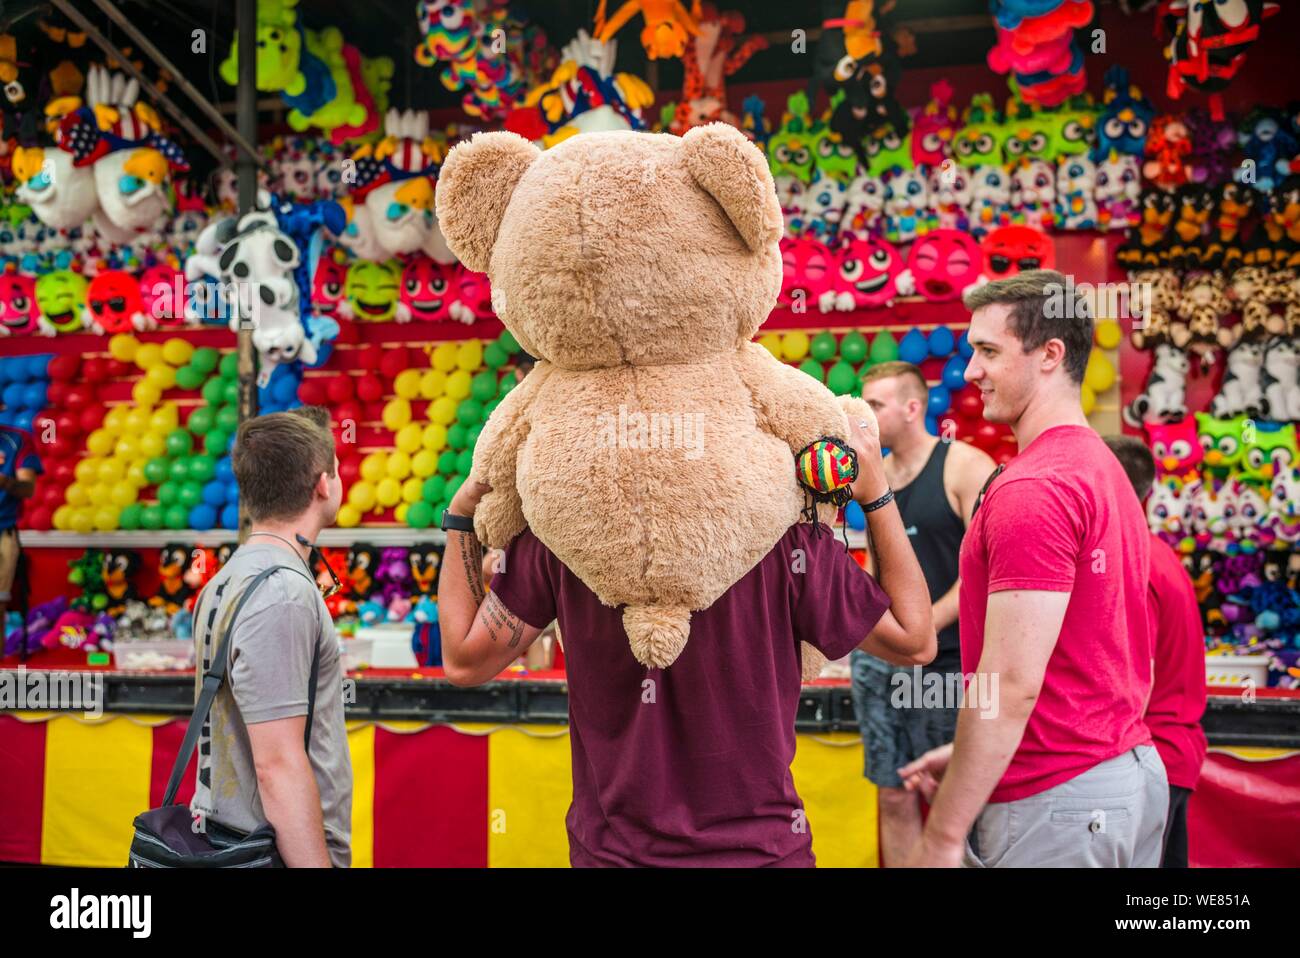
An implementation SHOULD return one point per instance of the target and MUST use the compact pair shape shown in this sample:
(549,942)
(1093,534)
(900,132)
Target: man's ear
(474,188)
(734,172)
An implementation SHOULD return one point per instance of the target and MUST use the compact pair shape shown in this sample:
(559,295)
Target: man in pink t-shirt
(1178,694)
(1052,764)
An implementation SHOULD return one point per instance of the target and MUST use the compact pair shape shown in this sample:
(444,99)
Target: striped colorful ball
(825,466)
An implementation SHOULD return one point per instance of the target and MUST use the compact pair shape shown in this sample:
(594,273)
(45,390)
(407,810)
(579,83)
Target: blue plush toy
(1268,144)
(426,637)
(1124,119)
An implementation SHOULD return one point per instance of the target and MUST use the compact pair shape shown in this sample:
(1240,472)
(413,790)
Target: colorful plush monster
(18,311)
(162,294)
(395,179)
(1028,136)
(990,199)
(1076,184)
(790,153)
(943,263)
(1221,439)
(1125,117)
(61,297)
(888,152)
(371,291)
(426,291)
(867,274)
(866,102)
(1268,447)
(979,141)
(906,205)
(1176,448)
(1073,127)
(833,157)
(115,305)
(935,127)
(59,192)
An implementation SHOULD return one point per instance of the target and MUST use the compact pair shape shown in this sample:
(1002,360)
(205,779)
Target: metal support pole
(246,168)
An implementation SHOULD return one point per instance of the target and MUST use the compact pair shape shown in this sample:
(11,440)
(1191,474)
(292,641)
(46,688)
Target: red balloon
(67,425)
(63,447)
(78,397)
(374,412)
(969,404)
(40,518)
(116,368)
(986,437)
(312,392)
(56,394)
(51,495)
(370,388)
(90,417)
(350,469)
(369,357)
(1004,455)
(94,370)
(64,472)
(395,360)
(340,388)
(64,368)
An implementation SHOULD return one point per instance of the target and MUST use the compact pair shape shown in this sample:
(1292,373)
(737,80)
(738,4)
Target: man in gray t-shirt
(253,768)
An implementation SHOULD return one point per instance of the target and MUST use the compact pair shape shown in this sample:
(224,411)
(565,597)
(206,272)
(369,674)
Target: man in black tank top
(903,713)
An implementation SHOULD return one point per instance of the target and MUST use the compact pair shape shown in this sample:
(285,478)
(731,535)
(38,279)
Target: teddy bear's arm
(788,403)
(500,514)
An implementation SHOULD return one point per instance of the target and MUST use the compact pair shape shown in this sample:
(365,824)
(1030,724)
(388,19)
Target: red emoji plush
(18,312)
(471,295)
(327,284)
(1009,249)
(426,291)
(943,263)
(115,304)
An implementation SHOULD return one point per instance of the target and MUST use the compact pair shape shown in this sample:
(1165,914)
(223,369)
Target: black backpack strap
(216,675)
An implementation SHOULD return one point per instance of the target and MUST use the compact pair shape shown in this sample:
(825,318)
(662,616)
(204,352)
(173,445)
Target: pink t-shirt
(1062,517)
(1178,696)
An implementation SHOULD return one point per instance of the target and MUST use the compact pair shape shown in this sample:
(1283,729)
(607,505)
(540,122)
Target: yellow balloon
(76,495)
(99,493)
(148,355)
(409,436)
(137,422)
(1108,334)
(165,418)
(87,470)
(407,383)
(772,343)
(106,518)
(123,494)
(388,492)
(177,351)
(1088,398)
(444,357)
(361,495)
(162,376)
(397,413)
(349,515)
(424,464)
(434,436)
(442,411)
(412,489)
(1099,374)
(470,355)
(82,519)
(399,465)
(135,474)
(146,393)
(123,347)
(112,470)
(400,512)
(374,467)
(458,384)
(62,517)
(432,383)
(100,442)
(152,445)
(794,346)
(127,446)
(115,419)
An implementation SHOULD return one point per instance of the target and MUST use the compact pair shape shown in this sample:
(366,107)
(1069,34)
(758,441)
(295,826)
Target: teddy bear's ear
(735,173)
(474,188)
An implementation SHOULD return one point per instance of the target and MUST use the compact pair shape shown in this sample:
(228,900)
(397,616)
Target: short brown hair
(1028,294)
(1139,465)
(895,368)
(278,458)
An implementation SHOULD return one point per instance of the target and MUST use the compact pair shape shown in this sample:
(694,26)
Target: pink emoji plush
(162,292)
(866,275)
(807,266)
(327,283)
(18,312)
(426,292)
(471,295)
(943,263)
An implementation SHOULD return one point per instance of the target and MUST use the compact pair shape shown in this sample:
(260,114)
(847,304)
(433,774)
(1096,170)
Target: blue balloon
(266,405)
(964,348)
(939,401)
(230,517)
(954,373)
(24,420)
(284,386)
(224,471)
(214,493)
(942,341)
(203,516)
(912,347)
(854,517)
(932,425)
(38,366)
(13,395)
(232,492)
(34,396)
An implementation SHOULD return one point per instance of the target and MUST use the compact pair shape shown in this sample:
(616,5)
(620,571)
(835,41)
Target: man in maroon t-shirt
(1178,691)
(690,765)
(1052,764)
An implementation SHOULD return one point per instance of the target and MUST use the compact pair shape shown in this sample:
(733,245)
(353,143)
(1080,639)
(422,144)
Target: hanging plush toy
(711,56)
(1168,147)
(1193,207)
(668,25)
(1008,250)
(1125,117)
(395,179)
(1210,43)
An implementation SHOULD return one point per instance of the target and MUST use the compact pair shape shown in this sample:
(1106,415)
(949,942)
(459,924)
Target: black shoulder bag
(165,837)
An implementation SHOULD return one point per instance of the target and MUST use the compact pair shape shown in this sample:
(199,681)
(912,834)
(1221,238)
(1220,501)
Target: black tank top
(935,532)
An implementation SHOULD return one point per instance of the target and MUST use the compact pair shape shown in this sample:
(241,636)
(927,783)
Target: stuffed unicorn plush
(863,204)
(1033,194)
(990,199)
(824,205)
(1283,519)
(1213,512)
(1119,187)
(1076,184)
(1169,509)
(906,198)
(951,190)
(1246,512)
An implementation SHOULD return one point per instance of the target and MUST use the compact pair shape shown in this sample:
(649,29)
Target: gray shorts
(1111,816)
(892,737)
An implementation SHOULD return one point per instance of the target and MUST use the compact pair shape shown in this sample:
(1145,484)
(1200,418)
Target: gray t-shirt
(270,666)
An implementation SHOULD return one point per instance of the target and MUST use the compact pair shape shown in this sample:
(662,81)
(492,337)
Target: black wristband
(455,523)
(880,503)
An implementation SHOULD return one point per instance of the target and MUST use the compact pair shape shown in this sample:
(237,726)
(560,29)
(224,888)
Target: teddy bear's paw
(813,661)
(658,633)
(858,410)
(498,519)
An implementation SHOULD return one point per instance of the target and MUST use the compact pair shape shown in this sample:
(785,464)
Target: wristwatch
(455,523)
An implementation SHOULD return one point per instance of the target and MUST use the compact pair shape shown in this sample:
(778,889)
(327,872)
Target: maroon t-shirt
(693,766)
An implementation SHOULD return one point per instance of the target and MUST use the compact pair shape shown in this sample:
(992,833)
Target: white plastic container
(153,655)
(357,654)
(1235,671)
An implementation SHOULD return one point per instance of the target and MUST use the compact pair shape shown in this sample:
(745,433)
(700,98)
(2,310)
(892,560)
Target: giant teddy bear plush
(637,268)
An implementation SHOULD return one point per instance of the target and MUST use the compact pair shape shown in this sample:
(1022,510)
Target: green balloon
(419,515)
(447,463)
(205,359)
(884,349)
(469,412)
(156,470)
(99,601)
(230,391)
(853,347)
(151,516)
(453,484)
(191,494)
(490,408)
(494,357)
(230,366)
(169,493)
(176,517)
(202,467)
(179,442)
(813,369)
(215,442)
(822,348)
(508,342)
(187,377)
(179,470)
(435,489)
(484,387)
(456,436)
(465,462)
(472,434)
(200,420)
(228,418)
(841,379)
(507,383)
(129,517)
(213,390)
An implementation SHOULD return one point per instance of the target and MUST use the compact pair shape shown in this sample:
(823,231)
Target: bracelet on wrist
(880,503)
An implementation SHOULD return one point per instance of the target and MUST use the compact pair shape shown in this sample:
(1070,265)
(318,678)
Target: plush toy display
(1076,184)
(61,299)
(395,179)
(704,232)
(1125,117)
(1119,185)
(1209,44)
(935,127)
(944,263)
(18,309)
(115,304)
(868,274)
(979,141)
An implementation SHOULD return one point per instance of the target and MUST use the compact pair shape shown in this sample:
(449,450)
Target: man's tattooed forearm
(500,621)
(471,557)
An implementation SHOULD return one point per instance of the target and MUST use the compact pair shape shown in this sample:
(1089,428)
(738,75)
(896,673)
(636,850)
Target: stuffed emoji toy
(690,267)
(113,298)
(18,310)
(944,263)
(61,298)
(61,193)
(471,295)
(162,295)
(867,274)
(1010,249)
(807,269)
(426,293)
(371,292)
(327,282)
